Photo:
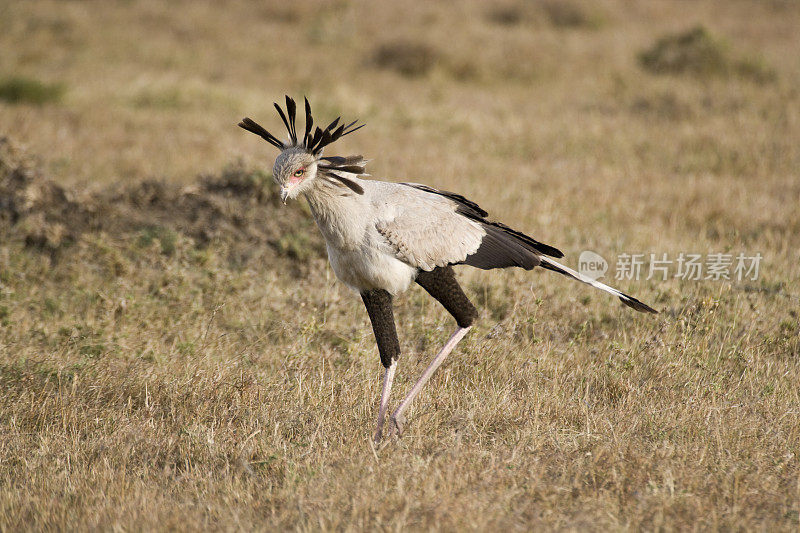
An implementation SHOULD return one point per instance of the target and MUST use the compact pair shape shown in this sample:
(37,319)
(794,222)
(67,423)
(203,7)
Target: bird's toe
(398,424)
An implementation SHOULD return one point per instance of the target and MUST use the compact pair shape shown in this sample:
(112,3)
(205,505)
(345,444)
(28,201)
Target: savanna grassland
(175,352)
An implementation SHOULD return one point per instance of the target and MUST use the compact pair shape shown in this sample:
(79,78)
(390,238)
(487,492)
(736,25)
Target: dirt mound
(237,209)
(32,207)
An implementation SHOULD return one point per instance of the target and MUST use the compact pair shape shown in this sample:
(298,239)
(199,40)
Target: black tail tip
(633,303)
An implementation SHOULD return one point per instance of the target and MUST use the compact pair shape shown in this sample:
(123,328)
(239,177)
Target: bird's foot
(377,437)
(398,423)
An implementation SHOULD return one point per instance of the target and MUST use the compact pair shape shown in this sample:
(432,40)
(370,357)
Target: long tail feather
(628,300)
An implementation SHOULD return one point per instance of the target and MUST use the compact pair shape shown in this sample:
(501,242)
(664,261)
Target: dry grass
(176,354)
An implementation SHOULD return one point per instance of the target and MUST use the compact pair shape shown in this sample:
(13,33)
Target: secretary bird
(381,236)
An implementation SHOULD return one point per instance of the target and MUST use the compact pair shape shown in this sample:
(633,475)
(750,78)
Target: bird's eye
(299,172)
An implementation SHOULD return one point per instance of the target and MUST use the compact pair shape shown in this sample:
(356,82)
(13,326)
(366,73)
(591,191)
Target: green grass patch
(700,53)
(566,14)
(408,58)
(22,90)
(166,238)
(159,99)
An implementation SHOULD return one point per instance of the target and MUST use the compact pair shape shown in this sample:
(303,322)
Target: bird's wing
(425,230)
(499,246)
(497,230)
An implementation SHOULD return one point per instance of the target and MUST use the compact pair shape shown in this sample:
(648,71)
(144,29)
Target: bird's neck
(324,199)
(336,211)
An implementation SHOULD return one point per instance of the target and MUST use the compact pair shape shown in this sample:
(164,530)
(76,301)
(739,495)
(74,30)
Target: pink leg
(388,377)
(398,420)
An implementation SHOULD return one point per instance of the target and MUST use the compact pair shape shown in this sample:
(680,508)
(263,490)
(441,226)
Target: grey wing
(425,230)
(500,246)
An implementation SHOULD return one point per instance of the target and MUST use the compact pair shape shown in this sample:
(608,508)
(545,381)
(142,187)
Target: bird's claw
(398,424)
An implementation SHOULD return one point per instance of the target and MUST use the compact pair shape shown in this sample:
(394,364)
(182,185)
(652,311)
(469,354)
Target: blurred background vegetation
(125,90)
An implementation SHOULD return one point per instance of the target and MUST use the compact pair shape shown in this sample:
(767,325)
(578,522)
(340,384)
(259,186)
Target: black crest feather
(251,126)
(285,121)
(309,123)
(315,142)
(291,110)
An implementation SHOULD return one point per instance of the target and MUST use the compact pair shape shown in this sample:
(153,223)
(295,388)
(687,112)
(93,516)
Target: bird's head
(300,164)
(294,171)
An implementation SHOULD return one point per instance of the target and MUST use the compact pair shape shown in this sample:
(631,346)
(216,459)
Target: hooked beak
(288,187)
